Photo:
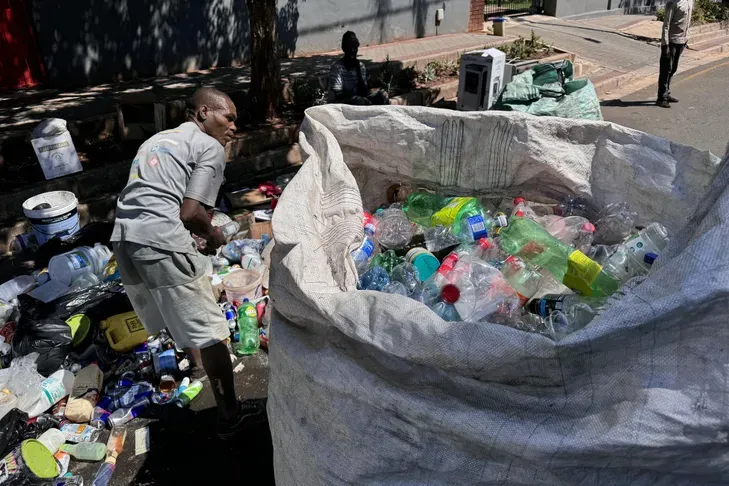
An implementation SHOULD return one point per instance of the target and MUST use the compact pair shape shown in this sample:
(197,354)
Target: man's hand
(215,240)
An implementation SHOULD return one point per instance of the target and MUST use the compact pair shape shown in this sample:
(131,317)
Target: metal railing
(500,8)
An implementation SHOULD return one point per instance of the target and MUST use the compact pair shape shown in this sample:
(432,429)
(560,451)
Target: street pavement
(699,119)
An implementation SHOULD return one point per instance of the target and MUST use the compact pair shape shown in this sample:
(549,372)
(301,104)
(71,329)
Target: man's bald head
(214,112)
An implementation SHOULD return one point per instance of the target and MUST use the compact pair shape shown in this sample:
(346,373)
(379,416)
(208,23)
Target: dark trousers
(670,55)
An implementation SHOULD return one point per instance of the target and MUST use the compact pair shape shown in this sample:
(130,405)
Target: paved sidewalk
(618,58)
(21,110)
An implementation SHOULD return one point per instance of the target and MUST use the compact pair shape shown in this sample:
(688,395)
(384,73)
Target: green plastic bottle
(526,239)
(420,207)
(188,394)
(86,451)
(248,329)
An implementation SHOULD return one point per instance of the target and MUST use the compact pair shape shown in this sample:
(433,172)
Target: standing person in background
(173,181)
(674,37)
(348,78)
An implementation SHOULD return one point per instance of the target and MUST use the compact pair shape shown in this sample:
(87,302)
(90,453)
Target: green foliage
(660,14)
(706,11)
(532,48)
(439,69)
(393,79)
(305,94)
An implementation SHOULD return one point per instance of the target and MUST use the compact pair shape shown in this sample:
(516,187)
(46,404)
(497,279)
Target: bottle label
(251,312)
(640,246)
(77,260)
(368,247)
(581,272)
(478,227)
(53,389)
(447,215)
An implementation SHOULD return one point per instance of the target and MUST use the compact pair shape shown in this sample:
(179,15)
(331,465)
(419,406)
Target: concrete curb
(627,83)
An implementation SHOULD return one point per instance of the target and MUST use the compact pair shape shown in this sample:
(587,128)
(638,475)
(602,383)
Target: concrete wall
(568,8)
(96,41)
(317,25)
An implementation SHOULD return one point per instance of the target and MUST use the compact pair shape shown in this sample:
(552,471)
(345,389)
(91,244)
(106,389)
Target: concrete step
(707,36)
(703,28)
(718,45)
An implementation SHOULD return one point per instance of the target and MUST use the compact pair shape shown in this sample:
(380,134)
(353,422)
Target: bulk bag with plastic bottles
(370,388)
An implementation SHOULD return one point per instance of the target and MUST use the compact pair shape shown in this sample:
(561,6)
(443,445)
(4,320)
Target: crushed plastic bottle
(575,231)
(522,209)
(395,288)
(420,207)
(248,329)
(571,206)
(376,278)
(614,223)
(439,238)
(407,275)
(652,239)
(522,278)
(394,229)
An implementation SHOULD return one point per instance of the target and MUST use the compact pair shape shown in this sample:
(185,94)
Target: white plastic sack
(369,388)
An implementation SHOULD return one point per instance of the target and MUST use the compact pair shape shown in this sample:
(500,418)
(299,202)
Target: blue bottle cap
(649,258)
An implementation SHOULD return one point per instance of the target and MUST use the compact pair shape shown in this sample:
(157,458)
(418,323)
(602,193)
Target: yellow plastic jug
(124,331)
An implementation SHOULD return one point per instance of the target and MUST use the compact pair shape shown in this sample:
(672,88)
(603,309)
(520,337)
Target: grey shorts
(170,289)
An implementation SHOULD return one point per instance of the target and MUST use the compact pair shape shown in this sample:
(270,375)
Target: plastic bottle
(11,289)
(652,239)
(425,262)
(125,396)
(522,209)
(248,328)
(394,230)
(363,254)
(395,288)
(623,264)
(114,447)
(572,230)
(483,288)
(420,207)
(439,237)
(524,280)
(550,303)
(444,307)
(85,451)
(230,229)
(53,388)
(407,275)
(188,394)
(475,227)
(376,278)
(528,240)
(458,208)
(125,415)
(614,223)
(571,206)
(79,263)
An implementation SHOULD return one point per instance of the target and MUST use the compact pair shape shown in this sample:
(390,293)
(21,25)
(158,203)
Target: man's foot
(663,103)
(250,414)
(671,99)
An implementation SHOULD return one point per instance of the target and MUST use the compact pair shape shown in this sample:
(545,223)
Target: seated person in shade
(348,78)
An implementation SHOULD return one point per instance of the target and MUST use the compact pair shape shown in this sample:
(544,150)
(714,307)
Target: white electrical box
(481,79)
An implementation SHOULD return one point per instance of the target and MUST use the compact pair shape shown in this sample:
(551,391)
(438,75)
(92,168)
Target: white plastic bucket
(60,219)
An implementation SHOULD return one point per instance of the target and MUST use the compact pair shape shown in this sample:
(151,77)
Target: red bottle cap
(519,200)
(484,244)
(588,227)
(450,294)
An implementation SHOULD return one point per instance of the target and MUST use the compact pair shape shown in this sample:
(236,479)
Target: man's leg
(676,50)
(379,97)
(665,71)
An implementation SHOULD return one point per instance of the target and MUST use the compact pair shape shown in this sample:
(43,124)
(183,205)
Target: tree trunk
(265,92)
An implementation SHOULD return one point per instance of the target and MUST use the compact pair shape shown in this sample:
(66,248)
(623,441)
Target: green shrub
(660,14)
(527,48)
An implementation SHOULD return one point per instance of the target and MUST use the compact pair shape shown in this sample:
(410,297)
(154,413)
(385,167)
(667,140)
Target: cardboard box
(257,230)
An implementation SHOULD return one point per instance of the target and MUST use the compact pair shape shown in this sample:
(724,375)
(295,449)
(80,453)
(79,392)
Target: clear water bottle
(445,307)
(652,239)
(395,288)
(394,229)
(376,278)
(522,209)
(363,254)
(614,223)
(522,278)
(407,275)
(439,238)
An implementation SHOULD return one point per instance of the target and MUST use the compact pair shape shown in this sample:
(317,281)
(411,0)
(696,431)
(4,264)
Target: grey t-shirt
(172,165)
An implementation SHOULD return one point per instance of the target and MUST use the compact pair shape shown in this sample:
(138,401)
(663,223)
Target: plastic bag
(23,382)
(48,335)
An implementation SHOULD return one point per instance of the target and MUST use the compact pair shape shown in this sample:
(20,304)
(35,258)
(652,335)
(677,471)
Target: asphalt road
(700,117)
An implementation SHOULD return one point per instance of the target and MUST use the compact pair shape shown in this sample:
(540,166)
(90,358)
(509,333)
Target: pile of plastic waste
(536,267)
(78,366)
